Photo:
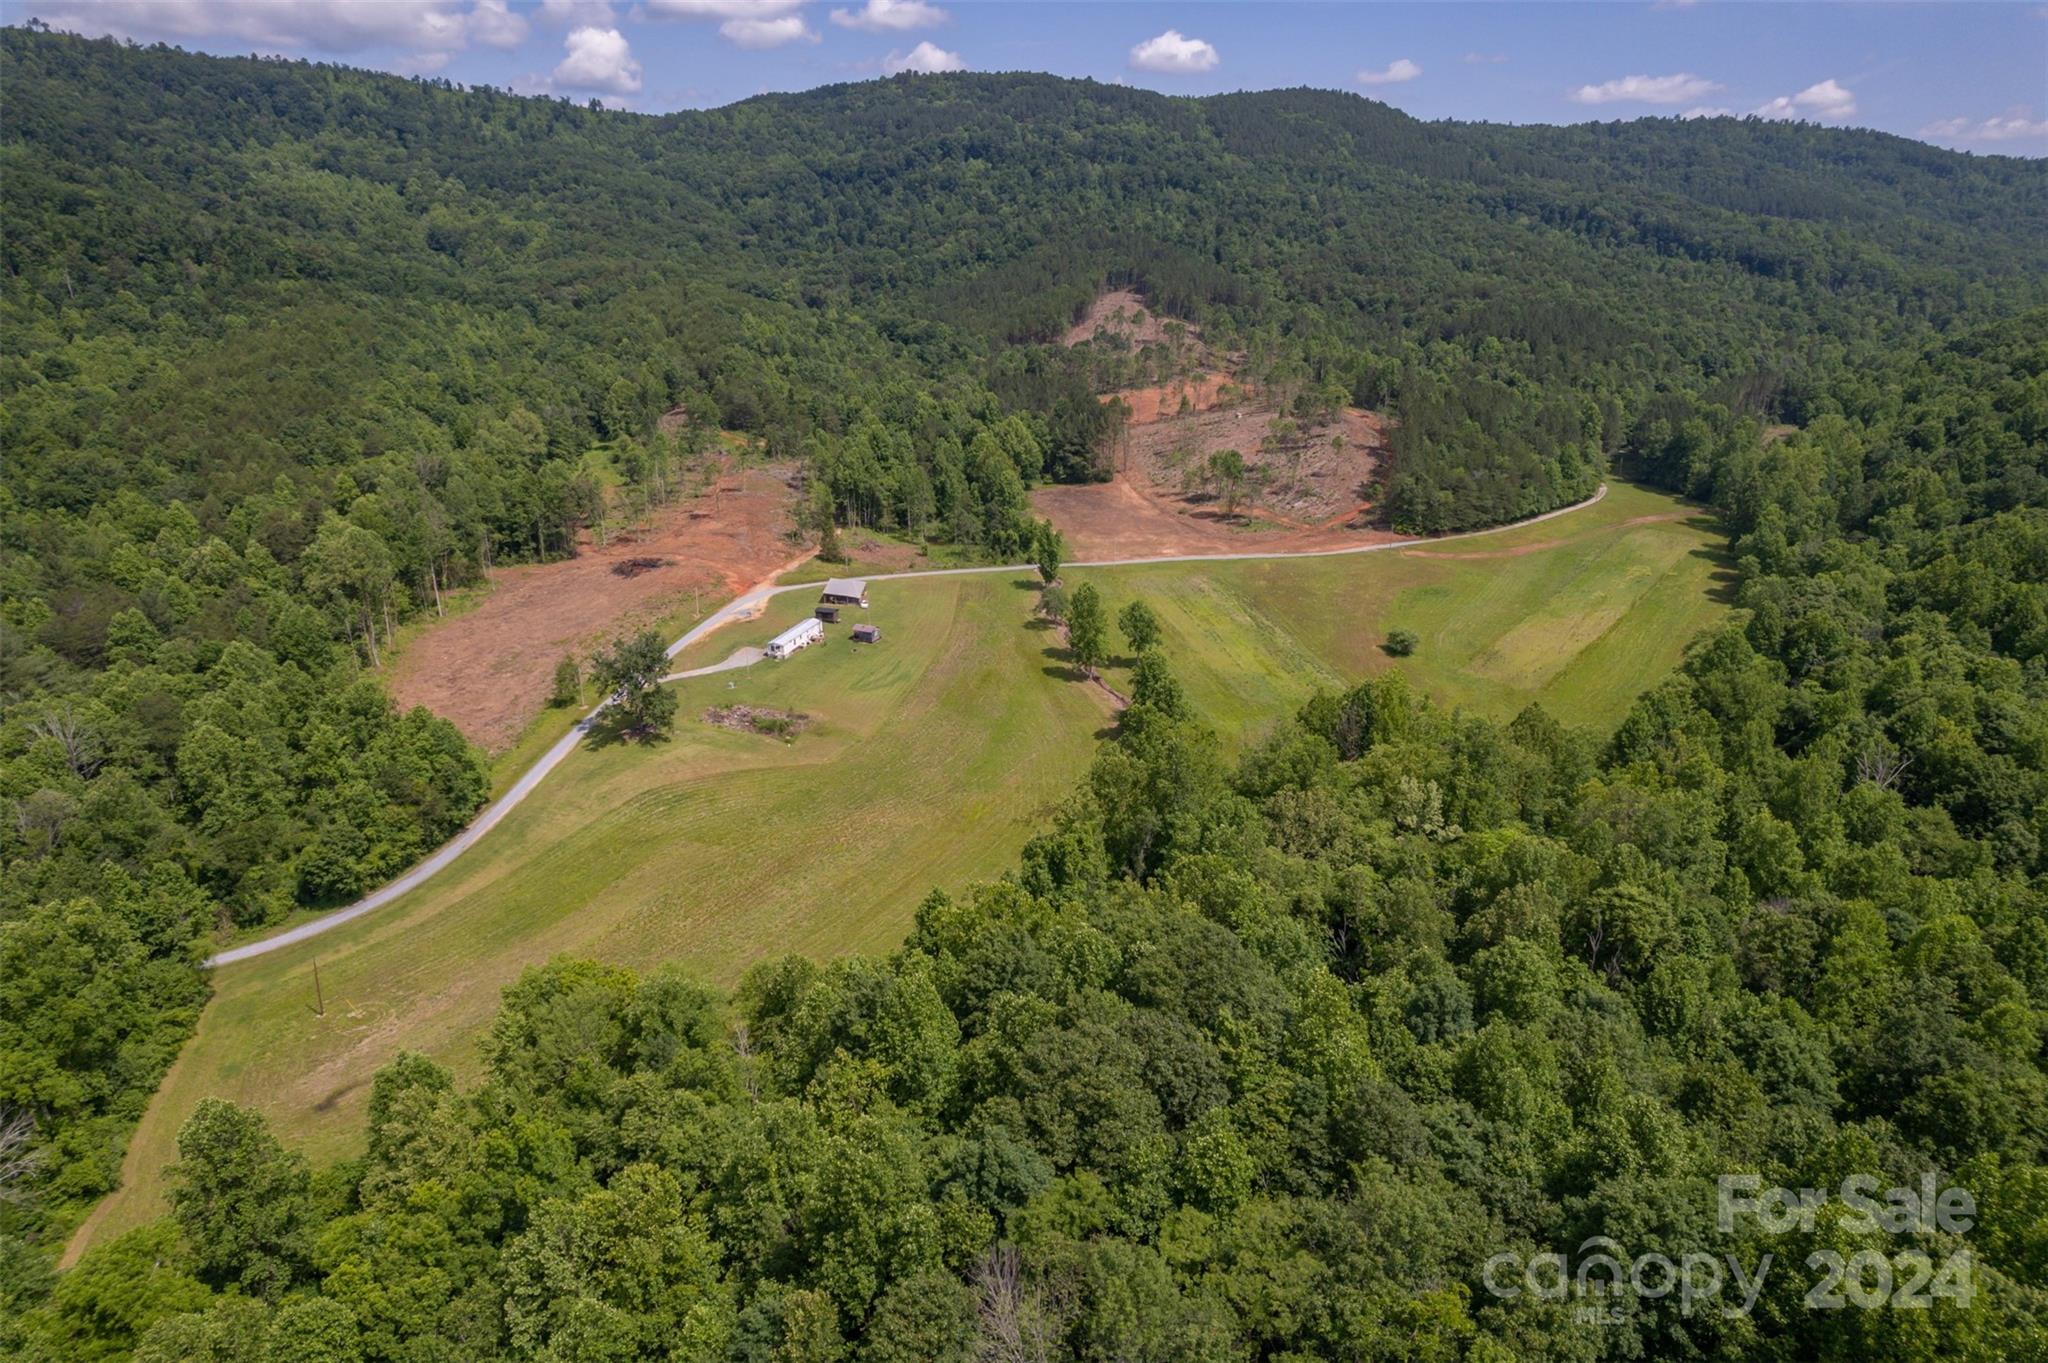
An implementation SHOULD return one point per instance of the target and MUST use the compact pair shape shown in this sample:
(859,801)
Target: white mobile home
(802,634)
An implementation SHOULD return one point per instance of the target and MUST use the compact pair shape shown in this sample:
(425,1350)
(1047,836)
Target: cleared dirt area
(1119,519)
(1304,478)
(1297,484)
(878,555)
(1124,313)
(1160,402)
(490,668)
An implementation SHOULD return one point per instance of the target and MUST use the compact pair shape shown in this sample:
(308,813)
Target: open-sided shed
(844,591)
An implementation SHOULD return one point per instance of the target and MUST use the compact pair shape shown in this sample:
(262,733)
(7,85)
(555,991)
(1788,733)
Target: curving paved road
(745,607)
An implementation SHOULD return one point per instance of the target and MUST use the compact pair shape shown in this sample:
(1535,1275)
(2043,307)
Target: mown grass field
(1581,613)
(930,759)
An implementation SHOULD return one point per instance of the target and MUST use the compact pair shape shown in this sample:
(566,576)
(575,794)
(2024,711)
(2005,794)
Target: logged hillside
(287,351)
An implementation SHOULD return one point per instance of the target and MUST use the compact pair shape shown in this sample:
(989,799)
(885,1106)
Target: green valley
(928,761)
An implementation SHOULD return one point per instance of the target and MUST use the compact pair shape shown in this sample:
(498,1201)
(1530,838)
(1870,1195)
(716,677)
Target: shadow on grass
(334,1096)
(1725,579)
(610,729)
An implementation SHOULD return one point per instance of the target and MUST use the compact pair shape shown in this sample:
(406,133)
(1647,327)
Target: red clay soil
(1162,401)
(1118,519)
(490,669)
(1310,494)
(1306,488)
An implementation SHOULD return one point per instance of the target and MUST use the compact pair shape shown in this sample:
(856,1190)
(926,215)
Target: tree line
(290,351)
(1271,1058)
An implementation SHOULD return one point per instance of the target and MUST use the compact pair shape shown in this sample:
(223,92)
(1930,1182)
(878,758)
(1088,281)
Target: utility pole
(319,999)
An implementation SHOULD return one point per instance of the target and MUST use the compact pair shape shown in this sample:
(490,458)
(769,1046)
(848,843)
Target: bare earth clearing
(1306,488)
(490,668)
(1126,314)
(1128,519)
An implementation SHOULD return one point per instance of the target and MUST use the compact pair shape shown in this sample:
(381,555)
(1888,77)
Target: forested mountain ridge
(285,349)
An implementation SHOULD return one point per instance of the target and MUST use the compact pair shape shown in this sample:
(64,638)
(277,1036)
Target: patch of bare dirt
(878,555)
(490,669)
(1304,486)
(1294,473)
(749,719)
(1125,316)
(1303,483)
(1119,519)
(1156,402)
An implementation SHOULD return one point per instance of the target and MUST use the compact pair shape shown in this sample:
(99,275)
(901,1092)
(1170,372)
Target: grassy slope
(1581,613)
(932,758)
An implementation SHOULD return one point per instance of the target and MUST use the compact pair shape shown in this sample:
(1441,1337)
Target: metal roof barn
(845,591)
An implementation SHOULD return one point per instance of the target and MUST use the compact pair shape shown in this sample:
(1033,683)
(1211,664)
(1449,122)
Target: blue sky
(1963,75)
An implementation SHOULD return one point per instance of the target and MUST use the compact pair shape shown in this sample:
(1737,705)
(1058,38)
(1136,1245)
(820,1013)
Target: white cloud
(600,59)
(424,28)
(2014,125)
(1484,58)
(890,16)
(927,57)
(1174,55)
(493,25)
(1827,100)
(756,34)
(1679,88)
(1674,4)
(752,24)
(1396,72)
(425,34)
(1708,111)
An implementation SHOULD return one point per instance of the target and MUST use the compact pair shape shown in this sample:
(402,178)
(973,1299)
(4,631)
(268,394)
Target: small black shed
(829,614)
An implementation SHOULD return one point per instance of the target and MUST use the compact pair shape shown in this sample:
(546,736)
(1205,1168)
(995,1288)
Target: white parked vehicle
(802,634)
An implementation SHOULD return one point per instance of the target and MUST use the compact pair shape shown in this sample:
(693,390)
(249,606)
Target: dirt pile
(747,719)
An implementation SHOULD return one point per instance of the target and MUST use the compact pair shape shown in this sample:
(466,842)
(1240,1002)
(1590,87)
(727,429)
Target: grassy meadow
(928,761)
(1581,613)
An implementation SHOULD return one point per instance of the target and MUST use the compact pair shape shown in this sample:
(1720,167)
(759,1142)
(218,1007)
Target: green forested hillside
(285,350)
(1275,1060)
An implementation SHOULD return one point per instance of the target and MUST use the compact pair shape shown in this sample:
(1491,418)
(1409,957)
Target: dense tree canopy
(1259,1062)
(1271,1061)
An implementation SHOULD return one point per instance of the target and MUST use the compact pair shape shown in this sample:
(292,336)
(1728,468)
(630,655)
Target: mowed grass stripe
(932,757)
